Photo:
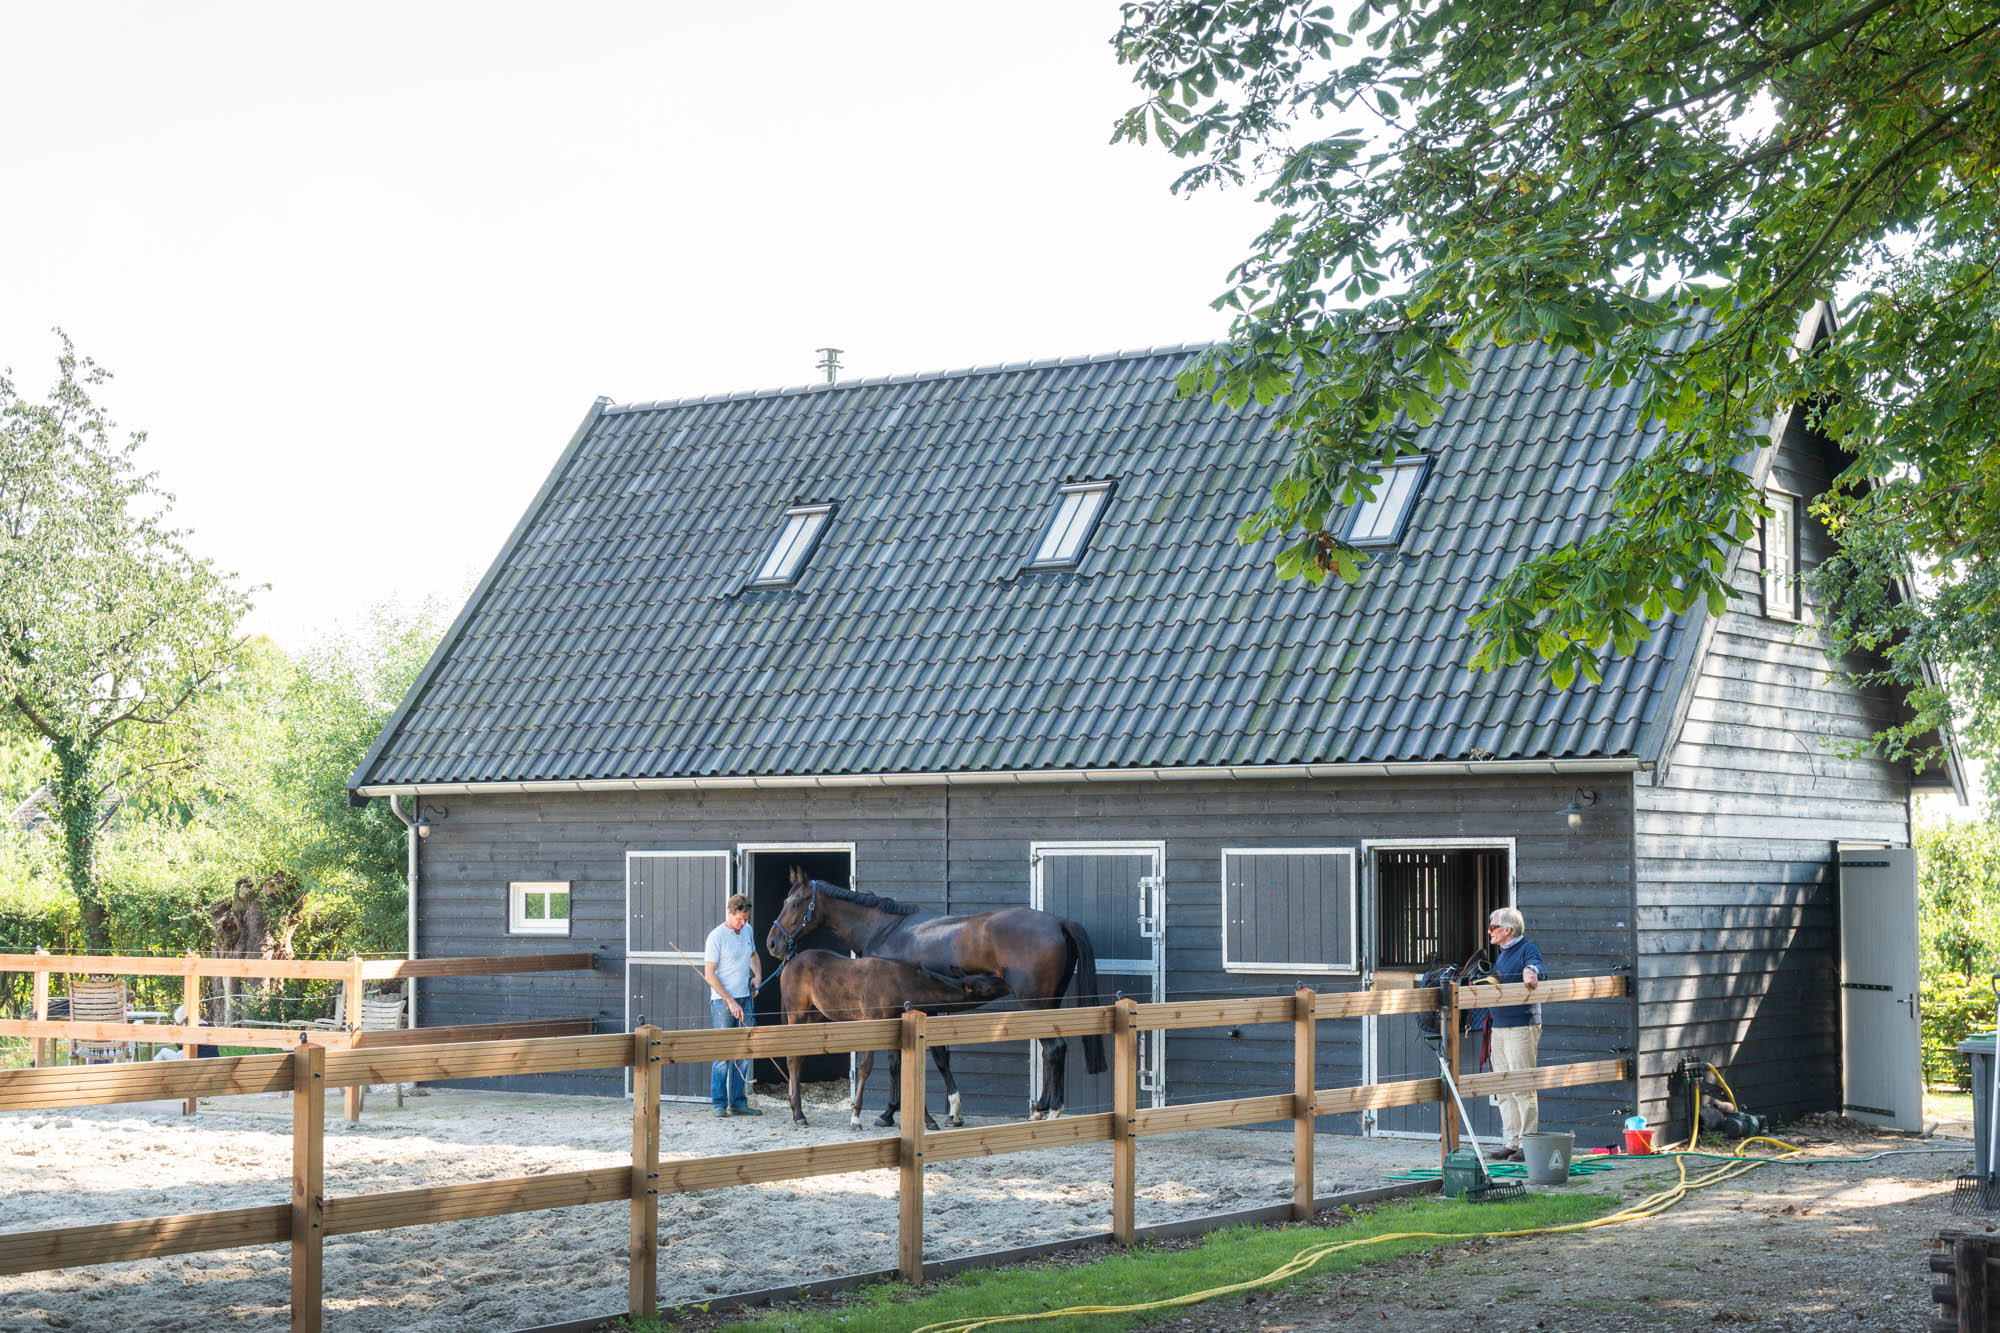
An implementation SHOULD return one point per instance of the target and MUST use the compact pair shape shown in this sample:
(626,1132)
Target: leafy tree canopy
(109,627)
(1663,187)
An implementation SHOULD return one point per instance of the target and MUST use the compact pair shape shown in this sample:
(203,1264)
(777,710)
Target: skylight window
(1379,522)
(1077,509)
(796,540)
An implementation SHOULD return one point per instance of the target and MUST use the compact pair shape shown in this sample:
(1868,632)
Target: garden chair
(99,1000)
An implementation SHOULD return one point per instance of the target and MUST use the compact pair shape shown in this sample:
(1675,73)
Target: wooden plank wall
(1575,889)
(1734,849)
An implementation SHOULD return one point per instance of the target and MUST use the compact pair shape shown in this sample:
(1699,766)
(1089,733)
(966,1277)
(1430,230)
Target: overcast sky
(360,270)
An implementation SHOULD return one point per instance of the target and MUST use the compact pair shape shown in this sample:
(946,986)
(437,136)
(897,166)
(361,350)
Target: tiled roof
(614,638)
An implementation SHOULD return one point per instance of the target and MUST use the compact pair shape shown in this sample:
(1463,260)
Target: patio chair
(99,1000)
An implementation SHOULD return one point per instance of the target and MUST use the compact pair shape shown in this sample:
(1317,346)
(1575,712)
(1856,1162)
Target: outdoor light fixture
(1573,812)
(428,818)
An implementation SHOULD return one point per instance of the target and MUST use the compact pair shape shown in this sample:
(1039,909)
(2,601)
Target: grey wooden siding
(967,849)
(1734,848)
(1291,909)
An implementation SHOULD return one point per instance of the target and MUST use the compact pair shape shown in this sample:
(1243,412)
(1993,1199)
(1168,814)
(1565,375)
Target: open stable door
(1881,1073)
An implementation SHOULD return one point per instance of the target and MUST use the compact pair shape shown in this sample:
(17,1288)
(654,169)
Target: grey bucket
(1547,1157)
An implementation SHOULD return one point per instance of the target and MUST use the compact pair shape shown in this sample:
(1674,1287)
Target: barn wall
(1739,916)
(1576,890)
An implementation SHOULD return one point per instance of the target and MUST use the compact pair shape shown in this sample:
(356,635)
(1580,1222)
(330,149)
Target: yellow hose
(1305,1259)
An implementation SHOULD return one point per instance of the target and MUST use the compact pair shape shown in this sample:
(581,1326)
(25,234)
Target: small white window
(1290,911)
(1076,514)
(539,907)
(1781,556)
(1379,522)
(796,540)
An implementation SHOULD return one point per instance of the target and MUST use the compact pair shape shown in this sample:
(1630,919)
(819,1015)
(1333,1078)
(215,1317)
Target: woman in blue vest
(1517,1028)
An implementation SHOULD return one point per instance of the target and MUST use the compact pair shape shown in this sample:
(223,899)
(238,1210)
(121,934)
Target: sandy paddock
(64,1168)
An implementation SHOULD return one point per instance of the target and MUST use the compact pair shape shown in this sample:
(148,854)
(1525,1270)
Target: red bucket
(1639,1142)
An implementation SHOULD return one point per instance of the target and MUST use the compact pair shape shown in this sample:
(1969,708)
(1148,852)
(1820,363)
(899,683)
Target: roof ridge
(911,377)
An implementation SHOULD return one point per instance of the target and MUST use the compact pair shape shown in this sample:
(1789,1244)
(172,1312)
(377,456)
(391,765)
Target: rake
(1981,1190)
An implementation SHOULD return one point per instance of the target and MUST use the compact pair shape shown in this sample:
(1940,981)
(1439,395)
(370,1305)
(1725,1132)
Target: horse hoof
(798,1120)
(854,1122)
(955,1121)
(1033,1114)
(885,1121)
(929,1123)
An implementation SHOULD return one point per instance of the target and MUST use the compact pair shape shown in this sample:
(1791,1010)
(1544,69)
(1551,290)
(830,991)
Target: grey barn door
(672,901)
(1117,893)
(1882,1081)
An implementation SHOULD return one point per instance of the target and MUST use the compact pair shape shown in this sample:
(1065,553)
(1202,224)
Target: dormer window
(1781,556)
(1380,521)
(794,546)
(1078,506)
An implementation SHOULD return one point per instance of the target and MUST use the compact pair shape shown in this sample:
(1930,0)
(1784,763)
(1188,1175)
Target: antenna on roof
(829,361)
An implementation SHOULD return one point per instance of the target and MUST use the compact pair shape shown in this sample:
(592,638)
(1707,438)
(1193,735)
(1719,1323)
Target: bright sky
(360,270)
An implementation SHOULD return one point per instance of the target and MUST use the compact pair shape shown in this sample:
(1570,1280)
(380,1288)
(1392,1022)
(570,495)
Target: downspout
(410,900)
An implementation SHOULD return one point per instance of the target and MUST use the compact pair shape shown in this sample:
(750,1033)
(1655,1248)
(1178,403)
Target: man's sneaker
(722,1112)
(744,1110)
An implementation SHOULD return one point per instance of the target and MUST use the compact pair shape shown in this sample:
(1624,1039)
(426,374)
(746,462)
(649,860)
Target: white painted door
(1882,1082)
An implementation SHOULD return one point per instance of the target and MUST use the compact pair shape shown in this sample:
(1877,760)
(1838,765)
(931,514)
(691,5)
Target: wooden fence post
(645,1248)
(1447,1108)
(41,1009)
(191,1011)
(1305,1034)
(910,1187)
(353,1095)
(1124,1110)
(308,1183)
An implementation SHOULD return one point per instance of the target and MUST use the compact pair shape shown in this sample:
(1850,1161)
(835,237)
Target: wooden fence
(310,1069)
(352,973)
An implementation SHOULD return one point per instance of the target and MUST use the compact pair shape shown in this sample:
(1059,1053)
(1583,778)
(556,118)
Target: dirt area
(62,1169)
(1829,1247)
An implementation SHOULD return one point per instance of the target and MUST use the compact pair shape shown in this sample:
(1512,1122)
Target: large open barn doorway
(766,879)
(1428,903)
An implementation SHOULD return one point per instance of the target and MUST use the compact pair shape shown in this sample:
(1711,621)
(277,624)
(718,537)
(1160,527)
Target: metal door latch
(1149,885)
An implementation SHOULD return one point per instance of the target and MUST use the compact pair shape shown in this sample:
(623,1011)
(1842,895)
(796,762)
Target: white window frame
(1353,965)
(1382,520)
(1079,507)
(518,921)
(1781,566)
(796,541)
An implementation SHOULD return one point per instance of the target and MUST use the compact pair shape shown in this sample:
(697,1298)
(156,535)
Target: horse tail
(1083,975)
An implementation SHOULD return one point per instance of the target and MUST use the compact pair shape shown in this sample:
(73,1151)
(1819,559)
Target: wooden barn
(986,638)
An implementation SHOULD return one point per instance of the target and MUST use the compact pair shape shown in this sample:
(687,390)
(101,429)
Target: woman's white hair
(1510,918)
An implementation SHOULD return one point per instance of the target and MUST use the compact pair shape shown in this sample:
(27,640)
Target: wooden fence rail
(309,1070)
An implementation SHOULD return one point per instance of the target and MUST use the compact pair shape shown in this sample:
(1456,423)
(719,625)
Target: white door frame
(1154,926)
(654,958)
(1370,907)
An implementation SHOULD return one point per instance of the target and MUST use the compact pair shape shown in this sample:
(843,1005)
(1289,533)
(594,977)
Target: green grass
(1948,1105)
(1147,1274)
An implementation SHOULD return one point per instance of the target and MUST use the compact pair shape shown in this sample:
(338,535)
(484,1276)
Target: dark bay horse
(835,988)
(1039,955)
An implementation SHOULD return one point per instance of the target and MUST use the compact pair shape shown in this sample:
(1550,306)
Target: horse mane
(889,905)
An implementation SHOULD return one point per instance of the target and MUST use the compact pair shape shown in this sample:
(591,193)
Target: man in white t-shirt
(730,963)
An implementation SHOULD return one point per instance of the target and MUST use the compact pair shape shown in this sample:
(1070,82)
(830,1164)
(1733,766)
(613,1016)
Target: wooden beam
(953,1145)
(464,1032)
(1305,1046)
(643,1185)
(910,1158)
(1214,1013)
(147,1238)
(1394,1000)
(171,1033)
(1016,1025)
(1213,1115)
(1483,996)
(1124,1106)
(191,1013)
(1548,1076)
(105,1085)
(1378,1096)
(141,965)
(351,1096)
(389,969)
(484,1059)
(704,1045)
(484,1198)
(694,1174)
(308,1210)
(41,1055)
(1448,1021)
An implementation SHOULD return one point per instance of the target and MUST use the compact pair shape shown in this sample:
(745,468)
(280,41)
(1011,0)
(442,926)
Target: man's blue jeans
(728,1080)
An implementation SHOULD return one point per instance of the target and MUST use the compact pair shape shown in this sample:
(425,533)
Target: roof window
(794,546)
(1380,521)
(1079,504)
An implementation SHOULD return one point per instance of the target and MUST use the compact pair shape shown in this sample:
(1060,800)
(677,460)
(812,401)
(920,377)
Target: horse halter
(791,938)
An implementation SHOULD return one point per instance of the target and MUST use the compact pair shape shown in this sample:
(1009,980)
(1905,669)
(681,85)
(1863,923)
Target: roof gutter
(1226,773)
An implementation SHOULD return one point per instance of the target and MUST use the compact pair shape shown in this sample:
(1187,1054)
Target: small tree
(109,627)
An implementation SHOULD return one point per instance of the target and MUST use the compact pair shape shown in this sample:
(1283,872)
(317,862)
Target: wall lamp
(428,817)
(1578,804)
